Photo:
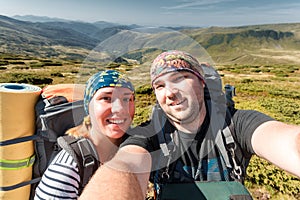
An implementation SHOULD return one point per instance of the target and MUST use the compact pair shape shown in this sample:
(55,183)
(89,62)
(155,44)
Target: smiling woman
(109,103)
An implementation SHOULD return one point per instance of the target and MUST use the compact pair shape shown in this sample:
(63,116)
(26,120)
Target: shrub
(281,74)
(17,63)
(144,89)
(20,67)
(247,81)
(34,81)
(74,71)
(36,65)
(26,78)
(3,62)
(263,173)
(52,64)
(113,65)
(57,74)
(256,70)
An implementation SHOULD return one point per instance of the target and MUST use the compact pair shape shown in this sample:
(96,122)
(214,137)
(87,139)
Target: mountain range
(48,37)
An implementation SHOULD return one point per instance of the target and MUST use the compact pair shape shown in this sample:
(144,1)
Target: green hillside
(255,45)
(261,44)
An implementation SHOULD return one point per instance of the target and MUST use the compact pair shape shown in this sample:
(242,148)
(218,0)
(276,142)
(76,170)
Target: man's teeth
(177,103)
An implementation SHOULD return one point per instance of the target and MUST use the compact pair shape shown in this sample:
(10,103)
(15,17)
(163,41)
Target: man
(186,139)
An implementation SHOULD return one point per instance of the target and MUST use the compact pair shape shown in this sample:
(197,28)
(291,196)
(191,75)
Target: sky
(200,13)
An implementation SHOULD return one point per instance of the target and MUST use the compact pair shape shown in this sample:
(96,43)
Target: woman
(109,103)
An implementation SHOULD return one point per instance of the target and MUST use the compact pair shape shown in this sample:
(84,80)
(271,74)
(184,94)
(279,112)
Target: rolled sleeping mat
(17,120)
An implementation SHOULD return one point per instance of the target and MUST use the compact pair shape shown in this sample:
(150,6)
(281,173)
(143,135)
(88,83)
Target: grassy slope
(273,90)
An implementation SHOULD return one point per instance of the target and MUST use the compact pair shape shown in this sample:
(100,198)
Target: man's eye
(187,76)
(179,78)
(159,86)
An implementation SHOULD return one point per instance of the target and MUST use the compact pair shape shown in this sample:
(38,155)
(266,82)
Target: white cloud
(193,4)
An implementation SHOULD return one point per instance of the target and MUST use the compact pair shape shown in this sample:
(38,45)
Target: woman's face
(112,110)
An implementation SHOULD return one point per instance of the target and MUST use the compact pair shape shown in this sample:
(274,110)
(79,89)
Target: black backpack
(53,118)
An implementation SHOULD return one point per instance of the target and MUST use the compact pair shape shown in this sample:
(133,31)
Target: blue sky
(161,12)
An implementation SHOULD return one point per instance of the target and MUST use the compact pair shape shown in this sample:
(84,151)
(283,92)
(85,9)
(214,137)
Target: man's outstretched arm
(279,143)
(124,177)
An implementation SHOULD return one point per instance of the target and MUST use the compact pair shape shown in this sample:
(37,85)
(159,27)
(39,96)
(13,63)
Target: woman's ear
(87,121)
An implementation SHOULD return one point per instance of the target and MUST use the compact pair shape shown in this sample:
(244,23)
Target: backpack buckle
(88,160)
(87,157)
(236,168)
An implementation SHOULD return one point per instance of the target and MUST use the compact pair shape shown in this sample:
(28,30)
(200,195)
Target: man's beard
(186,116)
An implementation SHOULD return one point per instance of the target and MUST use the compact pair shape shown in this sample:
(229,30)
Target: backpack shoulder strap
(231,146)
(85,155)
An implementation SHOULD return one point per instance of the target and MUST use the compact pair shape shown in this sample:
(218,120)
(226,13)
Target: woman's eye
(105,98)
(126,99)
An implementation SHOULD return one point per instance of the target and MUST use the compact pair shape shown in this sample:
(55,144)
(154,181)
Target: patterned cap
(175,60)
(107,78)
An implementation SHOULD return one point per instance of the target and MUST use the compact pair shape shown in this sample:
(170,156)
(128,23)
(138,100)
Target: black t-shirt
(245,122)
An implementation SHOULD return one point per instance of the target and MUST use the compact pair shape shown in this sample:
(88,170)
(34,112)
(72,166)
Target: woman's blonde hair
(81,130)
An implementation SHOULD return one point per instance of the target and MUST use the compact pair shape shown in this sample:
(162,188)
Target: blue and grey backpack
(222,106)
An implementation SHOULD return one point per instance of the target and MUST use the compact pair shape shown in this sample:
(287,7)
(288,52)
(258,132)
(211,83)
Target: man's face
(180,95)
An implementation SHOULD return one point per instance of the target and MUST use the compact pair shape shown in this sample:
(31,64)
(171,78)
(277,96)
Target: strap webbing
(84,154)
(88,159)
(12,187)
(228,137)
(16,164)
(18,140)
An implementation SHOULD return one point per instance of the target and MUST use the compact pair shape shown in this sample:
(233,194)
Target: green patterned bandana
(108,78)
(174,60)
